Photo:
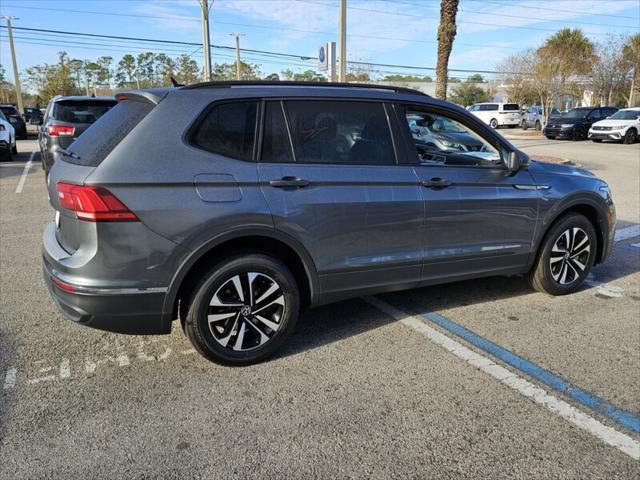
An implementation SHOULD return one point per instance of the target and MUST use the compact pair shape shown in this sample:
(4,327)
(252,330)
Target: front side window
(440,140)
(228,129)
(346,132)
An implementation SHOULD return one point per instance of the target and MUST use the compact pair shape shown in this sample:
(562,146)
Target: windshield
(576,113)
(625,115)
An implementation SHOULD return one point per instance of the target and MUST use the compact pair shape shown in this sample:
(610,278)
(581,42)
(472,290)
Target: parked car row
(8,146)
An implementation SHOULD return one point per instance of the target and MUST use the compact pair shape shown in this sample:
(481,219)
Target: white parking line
(627,233)
(23,177)
(580,419)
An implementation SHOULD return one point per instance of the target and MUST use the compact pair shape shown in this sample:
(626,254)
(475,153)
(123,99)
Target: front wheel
(566,256)
(538,126)
(493,123)
(242,310)
(630,137)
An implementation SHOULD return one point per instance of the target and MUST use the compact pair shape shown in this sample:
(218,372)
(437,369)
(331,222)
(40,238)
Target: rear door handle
(436,182)
(289,182)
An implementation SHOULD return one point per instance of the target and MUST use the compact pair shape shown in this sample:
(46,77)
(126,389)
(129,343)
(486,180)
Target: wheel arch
(256,239)
(585,205)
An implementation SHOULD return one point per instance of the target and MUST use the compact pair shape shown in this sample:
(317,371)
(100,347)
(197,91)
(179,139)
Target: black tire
(538,125)
(547,278)
(217,346)
(6,155)
(596,140)
(493,123)
(630,137)
(524,126)
(550,137)
(14,149)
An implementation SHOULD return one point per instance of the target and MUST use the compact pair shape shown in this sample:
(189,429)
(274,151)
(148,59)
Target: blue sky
(381,31)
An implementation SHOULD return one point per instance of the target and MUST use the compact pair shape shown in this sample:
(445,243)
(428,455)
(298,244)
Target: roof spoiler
(140,96)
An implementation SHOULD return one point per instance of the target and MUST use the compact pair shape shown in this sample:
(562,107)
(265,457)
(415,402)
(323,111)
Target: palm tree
(572,52)
(446,35)
(631,54)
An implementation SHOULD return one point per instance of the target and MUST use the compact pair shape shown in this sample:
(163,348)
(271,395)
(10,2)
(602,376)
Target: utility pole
(238,63)
(342,41)
(206,46)
(16,75)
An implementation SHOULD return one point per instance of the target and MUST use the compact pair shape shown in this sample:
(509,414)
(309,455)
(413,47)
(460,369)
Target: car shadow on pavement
(331,323)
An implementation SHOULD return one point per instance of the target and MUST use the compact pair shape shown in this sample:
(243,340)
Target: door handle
(289,182)
(436,182)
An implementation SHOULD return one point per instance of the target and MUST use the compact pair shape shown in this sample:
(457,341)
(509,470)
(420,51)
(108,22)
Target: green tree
(50,80)
(227,71)
(126,72)
(631,55)
(467,93)
(476,78)
(188,72)
(446,35)
(406,78)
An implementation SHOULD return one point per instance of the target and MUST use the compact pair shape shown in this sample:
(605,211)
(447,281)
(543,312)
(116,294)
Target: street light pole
(206,46)
(16,75)
(342,40)
(238,63)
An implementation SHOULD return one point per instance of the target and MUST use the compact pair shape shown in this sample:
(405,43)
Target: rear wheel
(630,137)
(566,256)
(242,310)
(538,126)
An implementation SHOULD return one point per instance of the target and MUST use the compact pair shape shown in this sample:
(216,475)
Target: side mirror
(516,160)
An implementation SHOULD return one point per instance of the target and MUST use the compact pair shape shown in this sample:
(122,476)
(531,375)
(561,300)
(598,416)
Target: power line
(537,7)
(279,29)
(386,12)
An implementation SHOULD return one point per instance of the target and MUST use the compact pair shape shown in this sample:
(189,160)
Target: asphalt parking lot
(482,379)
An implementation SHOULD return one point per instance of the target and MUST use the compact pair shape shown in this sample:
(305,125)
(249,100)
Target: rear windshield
(95,143)
(511,106)
(9,110)
(84,111)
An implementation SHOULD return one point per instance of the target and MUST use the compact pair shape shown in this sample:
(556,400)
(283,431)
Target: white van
(498,114)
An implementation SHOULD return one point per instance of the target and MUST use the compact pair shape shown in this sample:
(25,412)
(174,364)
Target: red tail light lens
(61,131)
(93,204)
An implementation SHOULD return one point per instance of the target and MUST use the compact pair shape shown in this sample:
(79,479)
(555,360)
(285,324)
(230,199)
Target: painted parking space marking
(608,435)
(627,233)
(25,172)
(605,289)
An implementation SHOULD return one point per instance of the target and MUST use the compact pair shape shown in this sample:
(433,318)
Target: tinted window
(492,106)
(2,117)
(228,129)
(626,115)
(85,111)
(609,111)
(595,115)
(510,107)
(9,110)
(95,143)
(340,132)
(276,146)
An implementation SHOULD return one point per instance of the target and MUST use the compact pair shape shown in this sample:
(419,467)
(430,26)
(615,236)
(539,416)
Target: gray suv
(235,206)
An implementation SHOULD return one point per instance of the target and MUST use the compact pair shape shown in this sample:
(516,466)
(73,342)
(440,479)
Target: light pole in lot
(238,63)
(206,46)
(16,75)
(342,41)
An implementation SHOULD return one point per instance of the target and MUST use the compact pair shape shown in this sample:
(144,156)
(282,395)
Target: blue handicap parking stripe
(622,417)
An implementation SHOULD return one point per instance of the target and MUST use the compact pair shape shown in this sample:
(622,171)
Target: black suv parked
(575,123)
(12,115)
(65,119)
(258,200)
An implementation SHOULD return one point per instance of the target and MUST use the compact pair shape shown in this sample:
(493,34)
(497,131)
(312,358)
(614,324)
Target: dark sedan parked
(15,119)
(65,119)
(575,124)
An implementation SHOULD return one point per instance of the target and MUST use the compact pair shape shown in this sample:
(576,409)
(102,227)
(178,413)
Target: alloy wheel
(245,311)
(569,255)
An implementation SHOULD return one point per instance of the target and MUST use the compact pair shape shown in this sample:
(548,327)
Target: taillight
(93,204)
(61,131)
(62,285)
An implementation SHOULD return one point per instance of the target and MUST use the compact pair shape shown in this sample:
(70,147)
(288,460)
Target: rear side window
(346,132)
(85,111)
(228,129)
(103,136)
(511,107)
(489,107)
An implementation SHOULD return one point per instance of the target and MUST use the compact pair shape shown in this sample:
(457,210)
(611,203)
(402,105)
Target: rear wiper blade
(68,153)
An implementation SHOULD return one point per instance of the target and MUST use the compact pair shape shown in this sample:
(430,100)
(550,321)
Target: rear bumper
(131,310)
